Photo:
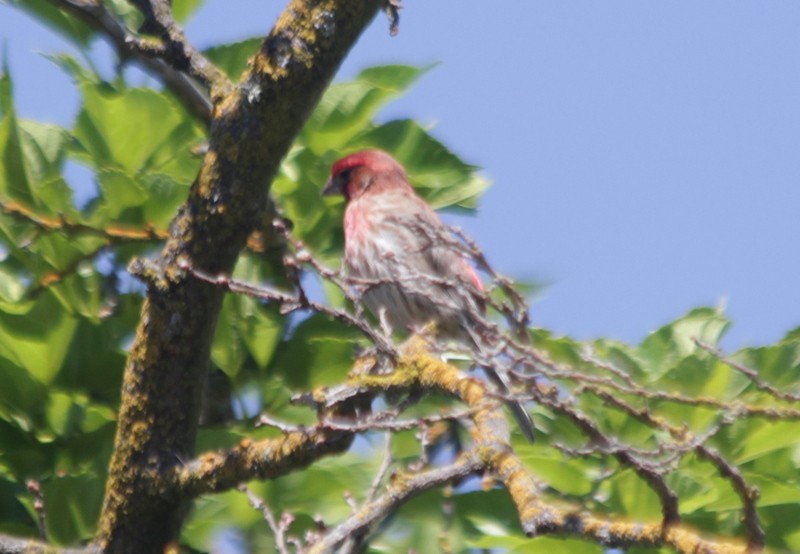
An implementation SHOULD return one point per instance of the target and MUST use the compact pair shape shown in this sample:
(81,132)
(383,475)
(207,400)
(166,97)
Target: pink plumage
(408,264)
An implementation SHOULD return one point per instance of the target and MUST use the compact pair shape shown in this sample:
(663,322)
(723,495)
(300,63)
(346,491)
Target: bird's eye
(345,174)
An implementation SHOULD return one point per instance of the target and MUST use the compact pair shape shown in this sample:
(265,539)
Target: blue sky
(645,155)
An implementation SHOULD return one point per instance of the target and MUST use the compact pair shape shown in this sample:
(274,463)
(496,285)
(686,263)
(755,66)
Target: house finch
(411,268)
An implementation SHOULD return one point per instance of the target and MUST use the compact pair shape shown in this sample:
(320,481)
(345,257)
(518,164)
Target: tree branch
(751,374)
(151,55)
(178,51)
(266,459)
(401,488)
(278,528)
(16,545)
(252,129)
(652,465)
(747,493)
(71,228)
(490,434)
(42,224)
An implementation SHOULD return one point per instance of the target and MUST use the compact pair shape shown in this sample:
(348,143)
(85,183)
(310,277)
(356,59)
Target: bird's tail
(501,380)
(518,410)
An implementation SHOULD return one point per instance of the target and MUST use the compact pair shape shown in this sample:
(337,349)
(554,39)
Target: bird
(408,266)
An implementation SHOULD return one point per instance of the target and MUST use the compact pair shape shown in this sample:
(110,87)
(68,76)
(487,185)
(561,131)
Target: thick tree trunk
(252,129)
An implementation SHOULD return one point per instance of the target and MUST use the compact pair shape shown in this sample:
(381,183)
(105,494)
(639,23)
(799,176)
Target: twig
(489,429)
(268,421)
(49,279)
(17,545)
(649,474)
(561,373)
(292,302)
(35,488)
(589,357)
(397,493)
(43,224)
(146,52)
(264,459)
(749,373)
(748,494)
(179,51)
(378,423)
(383,470)
(392,9)
(278,529)
(62,224)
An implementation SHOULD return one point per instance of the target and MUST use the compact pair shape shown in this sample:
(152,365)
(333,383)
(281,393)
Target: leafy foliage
(68,311)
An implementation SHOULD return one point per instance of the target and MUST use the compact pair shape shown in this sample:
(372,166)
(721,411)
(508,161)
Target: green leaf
(97,417)
(164,195)
(262,329)
(676,340)
(246,327)
(97,355)
(300,199)
(213,513)
(74,68)
(80,292)
(45,147)
(174,157)
(696,484)
(778,364)
(124,129)
(15,181)
(33,155)
(792,540)
(319,352)
(6,98)
(392,79)
(21,395)
(439,175)
(792,336)
(73,506)
(520,545)
(631,495)
(766,437)
(566,476)
(233,58)
(120,191)
(63,413)
(68,26)
(774,492)
(563,350)
(228,351)
(11,288)
(37,341)
(486,510)
(183,9)
(348,108)
(131,17)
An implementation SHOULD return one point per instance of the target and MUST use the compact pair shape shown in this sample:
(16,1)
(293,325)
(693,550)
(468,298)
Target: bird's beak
(333,186)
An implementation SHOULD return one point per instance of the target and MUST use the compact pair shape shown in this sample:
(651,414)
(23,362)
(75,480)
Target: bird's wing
(433,250)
